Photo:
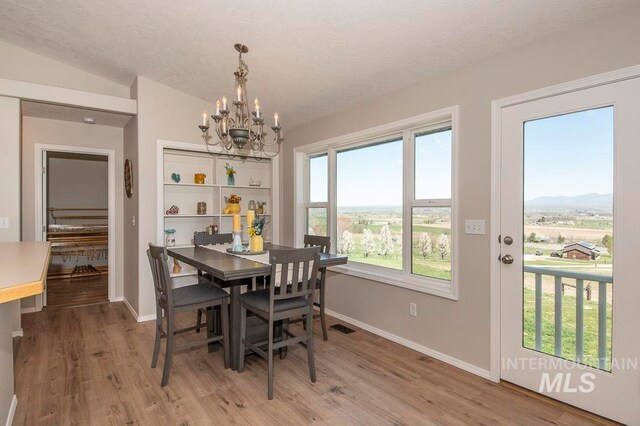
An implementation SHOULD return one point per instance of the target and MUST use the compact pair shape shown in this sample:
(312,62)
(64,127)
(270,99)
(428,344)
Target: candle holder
(237,242)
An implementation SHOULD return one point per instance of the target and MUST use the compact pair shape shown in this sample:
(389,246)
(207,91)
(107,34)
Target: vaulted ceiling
(306,59)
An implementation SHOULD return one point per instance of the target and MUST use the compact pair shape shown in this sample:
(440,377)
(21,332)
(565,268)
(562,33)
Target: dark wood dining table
(236,271)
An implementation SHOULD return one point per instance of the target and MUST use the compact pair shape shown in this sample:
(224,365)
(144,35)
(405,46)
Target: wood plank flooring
(90,365)
(77,291)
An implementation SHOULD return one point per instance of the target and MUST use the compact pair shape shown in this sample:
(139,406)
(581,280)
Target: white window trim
(405,127)
(313,204)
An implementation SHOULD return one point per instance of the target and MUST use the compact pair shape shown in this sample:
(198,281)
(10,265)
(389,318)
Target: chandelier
(241,127)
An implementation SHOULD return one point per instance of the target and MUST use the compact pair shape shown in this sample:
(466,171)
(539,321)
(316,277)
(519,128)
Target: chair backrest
(160,270)
(204,239)
(301,265)
(318,241)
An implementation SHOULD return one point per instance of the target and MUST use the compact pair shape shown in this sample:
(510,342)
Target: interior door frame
(496,151)
(39,150)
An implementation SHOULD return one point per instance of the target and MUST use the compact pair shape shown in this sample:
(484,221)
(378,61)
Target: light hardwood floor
(91,365)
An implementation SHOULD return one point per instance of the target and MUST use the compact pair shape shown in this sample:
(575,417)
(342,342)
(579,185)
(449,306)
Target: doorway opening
(75,196)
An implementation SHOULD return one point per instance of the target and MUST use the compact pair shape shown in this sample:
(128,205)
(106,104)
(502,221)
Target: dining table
(237,272)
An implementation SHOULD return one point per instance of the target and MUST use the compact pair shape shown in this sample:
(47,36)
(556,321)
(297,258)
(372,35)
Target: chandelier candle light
(242,127)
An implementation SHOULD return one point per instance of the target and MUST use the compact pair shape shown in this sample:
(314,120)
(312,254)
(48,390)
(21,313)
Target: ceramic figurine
(175,177)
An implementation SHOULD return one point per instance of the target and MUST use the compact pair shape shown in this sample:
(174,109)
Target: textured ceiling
(77,115)
(307,59)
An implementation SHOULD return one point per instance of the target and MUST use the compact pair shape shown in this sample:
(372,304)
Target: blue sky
(569,155)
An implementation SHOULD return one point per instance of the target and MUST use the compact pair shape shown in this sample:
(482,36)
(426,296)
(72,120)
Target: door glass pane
(317,221)
(318,178)
(433,164)
(431,242)
(568,236)
(369,204)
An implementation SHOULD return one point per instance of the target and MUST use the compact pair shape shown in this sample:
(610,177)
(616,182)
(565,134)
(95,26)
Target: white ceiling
(77,115)
(307,58)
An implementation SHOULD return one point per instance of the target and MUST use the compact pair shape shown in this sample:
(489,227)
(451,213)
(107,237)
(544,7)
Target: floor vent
(342,328)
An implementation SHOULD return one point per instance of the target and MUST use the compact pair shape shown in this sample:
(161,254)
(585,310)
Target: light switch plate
(4,223)
(474,226)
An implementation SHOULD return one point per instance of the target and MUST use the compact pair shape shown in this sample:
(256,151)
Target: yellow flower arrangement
(252,232)
(229,169)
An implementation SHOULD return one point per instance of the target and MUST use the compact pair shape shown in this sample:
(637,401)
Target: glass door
(569,199)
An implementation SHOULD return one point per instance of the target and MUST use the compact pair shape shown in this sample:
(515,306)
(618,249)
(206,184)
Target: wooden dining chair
(169,301)
(205,239)
(284,299)
(325,246)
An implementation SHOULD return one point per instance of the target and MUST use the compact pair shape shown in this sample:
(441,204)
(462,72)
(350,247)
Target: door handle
(507,259)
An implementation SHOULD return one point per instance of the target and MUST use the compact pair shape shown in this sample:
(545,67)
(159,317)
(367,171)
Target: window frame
(407,129)
(308,204)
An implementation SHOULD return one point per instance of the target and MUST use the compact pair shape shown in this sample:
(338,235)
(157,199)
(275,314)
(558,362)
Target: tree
(386,241)
(368,244)
(424,245)
(443,246)
(561,239)
(346,244)
(311,231)
(532,238)
(607,241)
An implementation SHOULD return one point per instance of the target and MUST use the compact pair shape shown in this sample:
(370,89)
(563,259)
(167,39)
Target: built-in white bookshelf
(253,181)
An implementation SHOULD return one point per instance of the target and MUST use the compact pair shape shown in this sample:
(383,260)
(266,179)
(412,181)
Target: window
(369,203)
(431,204)
(317,195)
(386,196)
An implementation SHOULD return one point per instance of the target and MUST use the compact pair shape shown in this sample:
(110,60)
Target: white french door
(570,248)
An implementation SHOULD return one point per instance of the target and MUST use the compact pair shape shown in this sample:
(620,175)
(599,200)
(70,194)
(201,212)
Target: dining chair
(284,299)
(171,301)
(325,246)
(205,239)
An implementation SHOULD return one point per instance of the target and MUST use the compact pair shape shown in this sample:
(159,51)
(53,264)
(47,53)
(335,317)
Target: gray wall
(460,328)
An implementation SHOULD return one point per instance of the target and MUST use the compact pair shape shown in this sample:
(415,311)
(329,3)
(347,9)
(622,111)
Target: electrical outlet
(473,226)
(413,309)
(4,223)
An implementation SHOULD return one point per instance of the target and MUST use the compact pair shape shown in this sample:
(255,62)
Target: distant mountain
(593,201)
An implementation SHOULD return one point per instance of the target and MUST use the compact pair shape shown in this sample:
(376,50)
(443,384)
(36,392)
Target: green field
(568,327)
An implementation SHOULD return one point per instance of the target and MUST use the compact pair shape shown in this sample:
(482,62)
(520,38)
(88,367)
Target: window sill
(399,279)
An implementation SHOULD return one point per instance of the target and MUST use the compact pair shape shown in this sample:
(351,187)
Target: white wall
(9,207)
(24,65)
(57,132)
(460,329)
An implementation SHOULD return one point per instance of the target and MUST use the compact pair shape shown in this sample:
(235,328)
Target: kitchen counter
(23,269)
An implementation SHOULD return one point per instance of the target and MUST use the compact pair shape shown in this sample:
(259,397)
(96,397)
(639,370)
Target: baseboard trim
(117,299)
(18,333)
(138,318)
(474,369)
(12,410)
(30,310)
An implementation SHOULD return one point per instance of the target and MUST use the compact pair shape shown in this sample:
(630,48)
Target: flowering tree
(311,231)
(443,246)
(424,245)
(346,244)
(386,241)
(368,245)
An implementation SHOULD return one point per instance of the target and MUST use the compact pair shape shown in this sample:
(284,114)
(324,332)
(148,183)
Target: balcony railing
(580,279)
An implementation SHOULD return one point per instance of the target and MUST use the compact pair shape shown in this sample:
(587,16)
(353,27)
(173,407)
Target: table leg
(234,325)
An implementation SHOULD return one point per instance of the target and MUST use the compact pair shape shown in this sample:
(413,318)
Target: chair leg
(210,331)
(199,320)
(243,335)
(285,328)
(169,353)
(270,360)
(156,346)
(225,332)
(310,355)
(323,320)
